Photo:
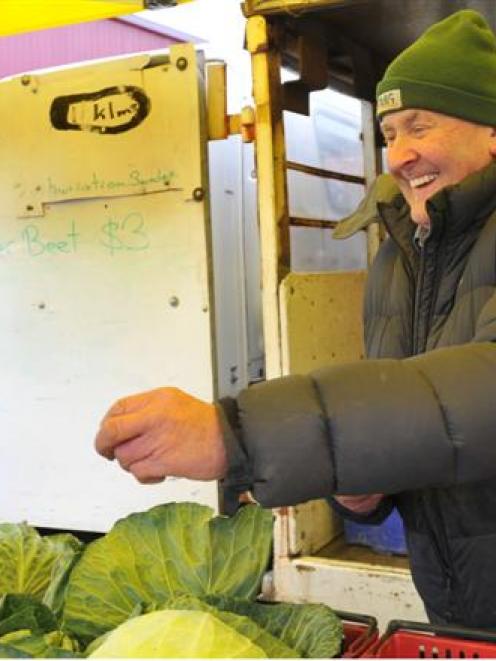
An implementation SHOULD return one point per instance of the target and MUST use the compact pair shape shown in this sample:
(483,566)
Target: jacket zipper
(415,349)
(438,540)
(416,305)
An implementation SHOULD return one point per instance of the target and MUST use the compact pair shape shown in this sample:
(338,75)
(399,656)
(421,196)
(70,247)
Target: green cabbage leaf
(172,549)
(35,565)
(313,630)
(28,629)
(22,611)
(25,644)
(272,646)
(177,634)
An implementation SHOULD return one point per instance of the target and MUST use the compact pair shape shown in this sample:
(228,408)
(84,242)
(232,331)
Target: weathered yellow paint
(218,124)
(247,124)
(271,173)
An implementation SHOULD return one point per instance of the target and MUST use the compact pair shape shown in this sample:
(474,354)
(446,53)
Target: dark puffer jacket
(417,420)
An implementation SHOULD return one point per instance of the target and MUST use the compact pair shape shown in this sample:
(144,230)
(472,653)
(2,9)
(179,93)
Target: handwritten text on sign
(135,179)
(116,235)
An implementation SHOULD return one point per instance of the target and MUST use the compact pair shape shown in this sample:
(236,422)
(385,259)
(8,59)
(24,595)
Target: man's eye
(419,129)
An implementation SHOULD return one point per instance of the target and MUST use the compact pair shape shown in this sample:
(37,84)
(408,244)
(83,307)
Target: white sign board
(104,276)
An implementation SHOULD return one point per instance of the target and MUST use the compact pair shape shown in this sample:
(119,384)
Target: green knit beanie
(450,69)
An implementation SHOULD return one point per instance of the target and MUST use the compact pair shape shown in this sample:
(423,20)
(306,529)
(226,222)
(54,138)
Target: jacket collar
(383,191)
(464,205)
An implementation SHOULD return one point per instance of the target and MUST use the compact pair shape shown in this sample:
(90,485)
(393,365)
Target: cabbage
(272,646)
(35,565)
(28,629)
(312,630)
(172,549)
(24,644)
(177,634)
(174,581)
(22,611)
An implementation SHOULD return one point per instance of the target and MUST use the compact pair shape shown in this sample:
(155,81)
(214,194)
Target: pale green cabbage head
(177,634)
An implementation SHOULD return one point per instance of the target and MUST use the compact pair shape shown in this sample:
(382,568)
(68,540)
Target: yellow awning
(27,15)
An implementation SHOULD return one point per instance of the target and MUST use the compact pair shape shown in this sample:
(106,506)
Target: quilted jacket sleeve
(377,426)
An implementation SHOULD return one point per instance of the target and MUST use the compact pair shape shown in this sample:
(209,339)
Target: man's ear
(492,142)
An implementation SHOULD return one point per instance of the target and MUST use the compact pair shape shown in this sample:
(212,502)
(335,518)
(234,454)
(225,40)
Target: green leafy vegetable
(314,630)
(173,549)
(175,581)
(23,644)
(177,634)
(272,646)
(28,628)
(22,611)
(35,565)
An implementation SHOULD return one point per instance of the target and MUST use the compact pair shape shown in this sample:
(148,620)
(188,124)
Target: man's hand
(161,433)
(360,504)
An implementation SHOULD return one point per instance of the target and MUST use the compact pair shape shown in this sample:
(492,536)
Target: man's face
(427,151)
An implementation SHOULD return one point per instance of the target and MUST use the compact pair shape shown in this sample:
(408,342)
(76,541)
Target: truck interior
(344,45)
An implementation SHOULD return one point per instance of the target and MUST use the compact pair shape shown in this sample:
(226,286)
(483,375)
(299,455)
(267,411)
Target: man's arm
(379,426)
(390,426)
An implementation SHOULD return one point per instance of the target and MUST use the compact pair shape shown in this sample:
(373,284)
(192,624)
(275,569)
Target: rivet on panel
(174,301)
(182,63)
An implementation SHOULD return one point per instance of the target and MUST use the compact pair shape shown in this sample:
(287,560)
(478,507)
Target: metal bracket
(220,124)
(312,58)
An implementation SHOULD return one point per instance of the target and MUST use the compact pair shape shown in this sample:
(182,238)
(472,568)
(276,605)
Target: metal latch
(220,124)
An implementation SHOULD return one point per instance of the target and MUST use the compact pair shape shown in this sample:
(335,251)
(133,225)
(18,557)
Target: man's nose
(400,153)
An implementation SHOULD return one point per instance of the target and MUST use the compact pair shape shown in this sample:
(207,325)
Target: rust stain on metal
(260,48)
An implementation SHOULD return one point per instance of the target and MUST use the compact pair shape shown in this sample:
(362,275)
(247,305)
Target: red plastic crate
(413,640)
(360,632)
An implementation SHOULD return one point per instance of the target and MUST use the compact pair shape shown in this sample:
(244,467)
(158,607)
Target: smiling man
(427,151)
(417,420)
(437,110)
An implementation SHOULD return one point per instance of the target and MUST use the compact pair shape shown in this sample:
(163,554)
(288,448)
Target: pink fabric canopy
(75,43)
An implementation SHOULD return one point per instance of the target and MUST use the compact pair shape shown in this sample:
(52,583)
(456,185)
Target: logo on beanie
(388,101)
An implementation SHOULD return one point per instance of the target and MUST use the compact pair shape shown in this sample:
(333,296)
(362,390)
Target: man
(417,420)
